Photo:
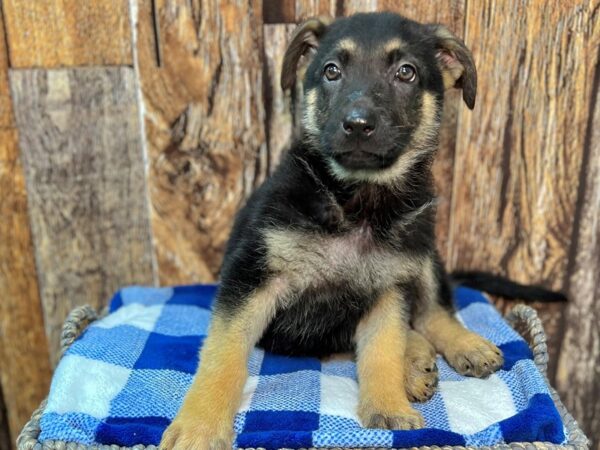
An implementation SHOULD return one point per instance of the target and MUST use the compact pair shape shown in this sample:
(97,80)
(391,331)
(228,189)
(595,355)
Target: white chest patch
(313,260)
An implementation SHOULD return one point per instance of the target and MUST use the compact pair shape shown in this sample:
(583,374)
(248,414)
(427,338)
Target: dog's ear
(456,62)
(304,41)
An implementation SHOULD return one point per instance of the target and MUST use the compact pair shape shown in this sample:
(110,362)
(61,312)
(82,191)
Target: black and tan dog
(335,252)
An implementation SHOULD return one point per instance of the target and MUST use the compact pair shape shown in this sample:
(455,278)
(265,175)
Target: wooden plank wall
(204,120)
(81,150)
(46,33)
(24,357)
(132,130)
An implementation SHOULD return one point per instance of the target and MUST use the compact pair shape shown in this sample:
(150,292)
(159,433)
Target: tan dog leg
(467,352)
(421,370)
(380,354)
(205,420)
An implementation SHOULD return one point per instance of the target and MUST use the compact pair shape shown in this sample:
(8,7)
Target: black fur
(503,287)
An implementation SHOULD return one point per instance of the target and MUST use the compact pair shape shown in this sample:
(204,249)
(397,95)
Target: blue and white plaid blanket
(124,379)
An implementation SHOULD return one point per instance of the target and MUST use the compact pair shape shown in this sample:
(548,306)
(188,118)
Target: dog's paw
(421,377)
(403,419)
(474,356)
(188,433)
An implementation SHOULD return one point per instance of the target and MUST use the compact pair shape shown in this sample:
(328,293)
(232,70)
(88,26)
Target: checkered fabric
(124,379)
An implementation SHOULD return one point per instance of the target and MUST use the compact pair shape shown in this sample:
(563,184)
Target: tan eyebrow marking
(347,44)
(393,45)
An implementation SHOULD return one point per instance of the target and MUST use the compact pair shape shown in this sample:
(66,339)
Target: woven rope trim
(522,315)
(77,321)
(527,316)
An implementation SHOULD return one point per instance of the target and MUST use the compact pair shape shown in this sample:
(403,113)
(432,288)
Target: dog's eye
(406,73)
(332,72)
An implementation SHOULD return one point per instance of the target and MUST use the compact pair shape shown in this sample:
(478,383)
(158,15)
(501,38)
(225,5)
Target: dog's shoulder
(286,198)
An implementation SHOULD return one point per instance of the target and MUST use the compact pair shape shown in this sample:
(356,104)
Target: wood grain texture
(279,11)
(518,155)
(6,114)
(452,15)
(82,153)
(355,6)
(24,362)
(448,12)
(312,8)
(205,122)
(50,33)
(519,152)
(279,118)
(578,375)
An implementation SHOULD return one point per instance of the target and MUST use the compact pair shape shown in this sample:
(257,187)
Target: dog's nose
(359,122)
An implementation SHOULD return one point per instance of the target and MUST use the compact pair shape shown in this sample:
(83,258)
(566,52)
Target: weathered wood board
(279,118)
(578,374)
(356,6)
(49,33)
(82,153)
(279,11)
(205,123)
(6,114)
(24,362)
(313,8)
(518,155)
(521,199)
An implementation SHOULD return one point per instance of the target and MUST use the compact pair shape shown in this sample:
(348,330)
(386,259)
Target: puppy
(335,252)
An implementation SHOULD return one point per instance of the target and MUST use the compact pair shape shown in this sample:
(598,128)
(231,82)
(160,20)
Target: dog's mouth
(374,152)
(364,159)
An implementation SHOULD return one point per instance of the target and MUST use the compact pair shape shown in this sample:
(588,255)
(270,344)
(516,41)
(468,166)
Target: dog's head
(374,88)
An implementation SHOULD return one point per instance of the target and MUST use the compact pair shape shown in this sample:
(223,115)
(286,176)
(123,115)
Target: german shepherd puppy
(335,252)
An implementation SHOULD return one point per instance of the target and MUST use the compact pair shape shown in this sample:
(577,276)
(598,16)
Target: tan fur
(205,419)
(467,352)
(423,140)
(451,74)
(443,32)
(311,259)
(380,349)
(309,116)
(421,375)
(393,45)
(428,285)
(347,44)
(451,68)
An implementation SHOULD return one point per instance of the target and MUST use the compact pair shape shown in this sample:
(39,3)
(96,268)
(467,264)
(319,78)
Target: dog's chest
(314,260)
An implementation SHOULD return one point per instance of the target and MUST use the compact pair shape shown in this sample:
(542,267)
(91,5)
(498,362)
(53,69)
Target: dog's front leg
(205,420)
(466,351)
(380,350)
